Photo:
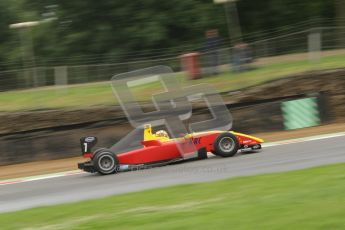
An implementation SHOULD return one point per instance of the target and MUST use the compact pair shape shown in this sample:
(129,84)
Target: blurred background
(86,42)
(57,57)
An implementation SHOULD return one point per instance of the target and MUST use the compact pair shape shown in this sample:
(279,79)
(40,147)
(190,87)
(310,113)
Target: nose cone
(259,140)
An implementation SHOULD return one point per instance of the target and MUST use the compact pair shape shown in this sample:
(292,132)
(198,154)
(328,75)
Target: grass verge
(305,199)
(96,94)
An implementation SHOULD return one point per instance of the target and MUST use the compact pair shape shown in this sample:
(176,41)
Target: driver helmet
(162,133)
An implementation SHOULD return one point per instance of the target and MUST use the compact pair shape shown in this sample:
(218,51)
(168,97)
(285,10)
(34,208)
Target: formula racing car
(158,149)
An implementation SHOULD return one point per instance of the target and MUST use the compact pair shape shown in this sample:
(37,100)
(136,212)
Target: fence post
(60,76)
(314,46)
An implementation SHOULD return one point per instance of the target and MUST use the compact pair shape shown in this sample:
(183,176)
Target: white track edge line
(303,139)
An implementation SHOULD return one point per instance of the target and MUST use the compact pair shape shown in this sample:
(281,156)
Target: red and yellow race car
(158,149)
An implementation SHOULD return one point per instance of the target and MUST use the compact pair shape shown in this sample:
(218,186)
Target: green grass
(100,93)
(305,199)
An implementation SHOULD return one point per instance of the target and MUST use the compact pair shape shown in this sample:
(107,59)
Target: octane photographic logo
(173,107)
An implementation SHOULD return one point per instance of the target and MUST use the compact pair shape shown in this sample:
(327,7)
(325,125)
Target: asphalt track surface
(89,186)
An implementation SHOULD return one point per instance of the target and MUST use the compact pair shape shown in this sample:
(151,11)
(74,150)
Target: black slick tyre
(226,145)
(105,162)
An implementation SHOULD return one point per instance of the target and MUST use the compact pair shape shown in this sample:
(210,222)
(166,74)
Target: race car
(157,149)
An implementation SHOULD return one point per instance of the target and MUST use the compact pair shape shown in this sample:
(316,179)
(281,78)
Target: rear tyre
(226,145)
(105,162)
(99,150)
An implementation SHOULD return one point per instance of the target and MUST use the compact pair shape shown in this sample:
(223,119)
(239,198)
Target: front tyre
(105,162)
(226,145)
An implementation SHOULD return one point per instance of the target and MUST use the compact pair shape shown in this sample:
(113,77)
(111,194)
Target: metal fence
(289,43)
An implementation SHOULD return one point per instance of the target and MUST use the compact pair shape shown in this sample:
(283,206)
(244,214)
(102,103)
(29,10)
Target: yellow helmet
(162,133)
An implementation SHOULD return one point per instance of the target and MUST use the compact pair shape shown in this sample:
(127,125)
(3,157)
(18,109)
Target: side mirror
(87,143)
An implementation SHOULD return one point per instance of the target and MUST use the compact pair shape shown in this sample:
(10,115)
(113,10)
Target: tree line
(122,30)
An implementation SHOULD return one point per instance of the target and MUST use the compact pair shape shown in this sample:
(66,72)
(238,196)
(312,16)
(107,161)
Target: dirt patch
(39,167)
(53,166)
(293,134)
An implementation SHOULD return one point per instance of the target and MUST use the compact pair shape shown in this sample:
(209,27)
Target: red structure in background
(190,64)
